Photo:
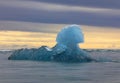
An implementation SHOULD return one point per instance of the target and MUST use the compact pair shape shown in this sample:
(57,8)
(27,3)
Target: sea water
(21,71)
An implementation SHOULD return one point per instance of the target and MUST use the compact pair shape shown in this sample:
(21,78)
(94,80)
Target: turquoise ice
(66,49)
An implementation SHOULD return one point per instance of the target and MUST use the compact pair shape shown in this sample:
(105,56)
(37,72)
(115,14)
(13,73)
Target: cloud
(39,11)
(56,7)
(111,4)
(29,27)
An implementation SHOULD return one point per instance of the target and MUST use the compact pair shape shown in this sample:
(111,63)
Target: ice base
(59,53)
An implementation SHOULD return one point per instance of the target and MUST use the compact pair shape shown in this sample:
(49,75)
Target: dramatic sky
(32,23)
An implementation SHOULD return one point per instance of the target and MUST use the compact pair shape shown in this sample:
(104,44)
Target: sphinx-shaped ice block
(66,49)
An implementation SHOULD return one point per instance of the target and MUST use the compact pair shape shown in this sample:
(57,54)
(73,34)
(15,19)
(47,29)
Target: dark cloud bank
(108,19)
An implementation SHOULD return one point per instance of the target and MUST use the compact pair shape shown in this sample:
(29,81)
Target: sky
(33,23)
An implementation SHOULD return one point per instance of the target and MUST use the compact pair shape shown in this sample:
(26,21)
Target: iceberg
(66,49)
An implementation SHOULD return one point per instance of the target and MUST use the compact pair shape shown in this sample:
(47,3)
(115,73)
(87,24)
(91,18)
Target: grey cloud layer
(29,27)
(61,12)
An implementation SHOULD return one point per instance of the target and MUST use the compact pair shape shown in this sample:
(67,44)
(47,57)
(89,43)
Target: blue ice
(66,50)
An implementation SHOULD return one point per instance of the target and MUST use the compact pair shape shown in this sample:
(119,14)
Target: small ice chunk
(48,49)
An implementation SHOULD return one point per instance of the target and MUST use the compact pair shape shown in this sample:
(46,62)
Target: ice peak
(70,35)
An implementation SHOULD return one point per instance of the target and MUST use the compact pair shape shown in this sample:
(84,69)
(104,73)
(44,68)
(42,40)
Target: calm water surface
(51,72)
